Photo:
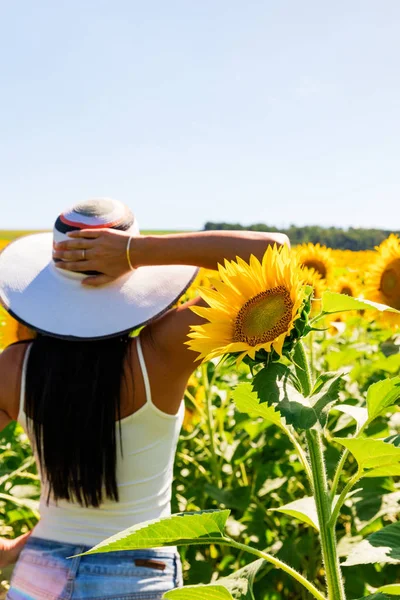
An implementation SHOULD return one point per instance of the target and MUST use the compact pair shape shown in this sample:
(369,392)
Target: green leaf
(325,393)
(383,546)
(247,401)
(391,589)
(358,413)
(304,509)
(238,586)
(267,382)
(390,346)
(297,410)
(385,471)
(376,458)
(322,381)
(378,596)
(203,527)
(371,501)
(305,412)
(382,395)
(393,439)
(200,592)
(333,302)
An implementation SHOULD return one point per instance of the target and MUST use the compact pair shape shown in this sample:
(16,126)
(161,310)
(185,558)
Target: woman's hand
(102,250)
(11,549)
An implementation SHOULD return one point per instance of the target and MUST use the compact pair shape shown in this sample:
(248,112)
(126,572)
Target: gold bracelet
(127,254)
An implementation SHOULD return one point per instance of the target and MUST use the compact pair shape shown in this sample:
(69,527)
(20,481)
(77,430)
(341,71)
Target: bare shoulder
(168,335)
(11,360)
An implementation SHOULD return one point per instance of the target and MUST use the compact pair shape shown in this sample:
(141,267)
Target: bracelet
(128,255)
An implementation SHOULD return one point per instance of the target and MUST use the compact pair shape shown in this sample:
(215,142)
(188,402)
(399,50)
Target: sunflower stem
(338,472)
(210,424)
(278,564)
(322,498)
(342,498)
(333,575)
(311,350)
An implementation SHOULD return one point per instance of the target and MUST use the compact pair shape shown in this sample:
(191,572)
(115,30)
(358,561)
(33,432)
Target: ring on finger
(83,254)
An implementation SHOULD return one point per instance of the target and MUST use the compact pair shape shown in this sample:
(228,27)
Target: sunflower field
(289,458)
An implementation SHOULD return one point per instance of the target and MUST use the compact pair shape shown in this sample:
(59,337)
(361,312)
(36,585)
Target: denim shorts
(43,572)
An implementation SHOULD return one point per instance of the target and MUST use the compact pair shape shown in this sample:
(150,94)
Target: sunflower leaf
(382,546)
(238,586)
(315,408)
(376,458)
(382,395)
(210,591)
(379,596)
(203,527)
(303,509)
(393,439)
(274,387)
(266,382)
(332,302)
(358,413)
(391,589)
(247,401)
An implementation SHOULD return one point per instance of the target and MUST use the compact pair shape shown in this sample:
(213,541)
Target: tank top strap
(143,368)
(23,381)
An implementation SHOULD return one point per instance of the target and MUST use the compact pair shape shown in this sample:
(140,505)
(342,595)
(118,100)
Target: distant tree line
(333,237)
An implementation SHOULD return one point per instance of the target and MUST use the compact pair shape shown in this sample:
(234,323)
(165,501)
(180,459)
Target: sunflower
(382,280)
(347,286)
(317,257)
(313,278)
(252,307)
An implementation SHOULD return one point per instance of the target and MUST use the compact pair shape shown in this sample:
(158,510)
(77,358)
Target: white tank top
(144,476)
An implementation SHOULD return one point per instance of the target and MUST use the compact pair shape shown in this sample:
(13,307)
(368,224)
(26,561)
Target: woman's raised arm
(105,251)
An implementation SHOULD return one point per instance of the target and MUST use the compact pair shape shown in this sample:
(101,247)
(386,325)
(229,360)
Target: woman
(103,410)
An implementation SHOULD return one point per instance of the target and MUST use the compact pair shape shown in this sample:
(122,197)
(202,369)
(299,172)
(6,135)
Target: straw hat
(54,301)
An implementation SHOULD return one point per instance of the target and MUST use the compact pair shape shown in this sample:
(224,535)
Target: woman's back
(144,469)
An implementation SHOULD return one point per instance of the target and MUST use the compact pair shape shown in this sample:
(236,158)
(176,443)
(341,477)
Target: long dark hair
(73,392)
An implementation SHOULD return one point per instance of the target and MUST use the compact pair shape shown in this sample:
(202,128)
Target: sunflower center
(318,265)
(346,290)
(264,317)
(390,283)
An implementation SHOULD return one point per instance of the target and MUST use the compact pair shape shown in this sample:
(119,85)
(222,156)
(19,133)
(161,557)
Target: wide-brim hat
(54,301)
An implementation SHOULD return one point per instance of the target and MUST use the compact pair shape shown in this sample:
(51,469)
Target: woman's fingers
(86,233)
(73,255)
(81,266)
(75,245)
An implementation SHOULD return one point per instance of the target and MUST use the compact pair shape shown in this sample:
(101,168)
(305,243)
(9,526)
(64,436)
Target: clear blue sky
(275,111)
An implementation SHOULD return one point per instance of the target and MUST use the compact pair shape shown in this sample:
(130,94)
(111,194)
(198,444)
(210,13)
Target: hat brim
(39,295)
